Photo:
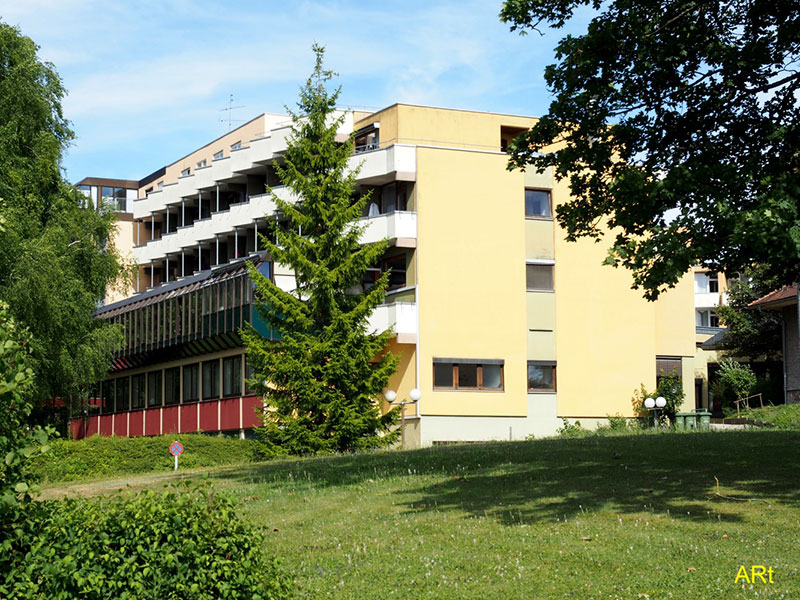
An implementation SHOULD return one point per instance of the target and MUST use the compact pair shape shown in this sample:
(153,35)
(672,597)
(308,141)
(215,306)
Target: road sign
(176,449)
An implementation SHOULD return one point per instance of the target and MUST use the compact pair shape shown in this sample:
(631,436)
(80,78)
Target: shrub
(100,456)
(737,377)
(670,387)
(186,542)
(571,430)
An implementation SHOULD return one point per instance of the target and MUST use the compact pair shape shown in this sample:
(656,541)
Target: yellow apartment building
(504,327)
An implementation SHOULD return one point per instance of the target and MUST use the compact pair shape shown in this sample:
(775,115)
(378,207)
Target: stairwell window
(539,277)
(541,376)
(468,374)
(538,204)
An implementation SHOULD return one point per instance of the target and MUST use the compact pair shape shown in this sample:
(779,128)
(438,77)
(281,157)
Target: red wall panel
(105,424)
(77,430)
(136,424)
(93,425)
(121,424)
(189,418)
(249,416)
(170,420)
(208,416)
(229,414)
(152,422)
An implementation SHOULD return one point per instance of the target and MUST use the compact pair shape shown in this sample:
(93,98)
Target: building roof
(786,296)
(123,183)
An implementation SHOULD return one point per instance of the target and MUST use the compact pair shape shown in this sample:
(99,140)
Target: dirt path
(131,482)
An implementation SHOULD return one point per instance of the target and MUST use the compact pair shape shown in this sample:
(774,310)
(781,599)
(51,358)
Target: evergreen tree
(322,378)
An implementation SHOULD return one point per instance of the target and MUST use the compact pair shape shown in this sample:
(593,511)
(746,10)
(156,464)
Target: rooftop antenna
(229,117)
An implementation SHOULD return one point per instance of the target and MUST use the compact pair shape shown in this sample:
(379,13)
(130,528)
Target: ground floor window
(172,386)
(154,388)
(468,374)
(232,376)
(541,376)
(210,379)
(191,374)
(122,394)
(138,391)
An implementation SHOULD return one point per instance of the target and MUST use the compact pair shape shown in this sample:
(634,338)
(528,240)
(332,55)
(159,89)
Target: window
(467,374)
(172,386)
(248,376)
(218,155)
(148,190)
(160,185)
(706,318)
(236,145)
(541,376)
(122,399)
(537,204)
(397,276)
(539,278)
(107,397)
(120,199)
(191,376)
(210,379)
(154,389)
(185,172)
(232,376)
(713,283)
(201,164)
(137,391)
(668,365)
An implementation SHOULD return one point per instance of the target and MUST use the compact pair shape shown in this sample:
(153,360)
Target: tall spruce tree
(322,378)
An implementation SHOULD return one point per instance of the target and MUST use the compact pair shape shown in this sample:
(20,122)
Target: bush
(784,416)
(186,542)
(737,377)
(670,387)
(100,456)
(571,430)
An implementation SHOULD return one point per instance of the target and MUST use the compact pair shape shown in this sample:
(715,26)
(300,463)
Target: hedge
(186,542)
(100,456)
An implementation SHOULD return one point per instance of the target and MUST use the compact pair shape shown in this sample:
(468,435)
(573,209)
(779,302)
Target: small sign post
(176,450)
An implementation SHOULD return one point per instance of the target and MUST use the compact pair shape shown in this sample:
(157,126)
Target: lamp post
(655,404)
(391,397)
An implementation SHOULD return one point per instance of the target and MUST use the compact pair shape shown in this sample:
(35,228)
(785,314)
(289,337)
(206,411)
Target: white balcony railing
(402,316)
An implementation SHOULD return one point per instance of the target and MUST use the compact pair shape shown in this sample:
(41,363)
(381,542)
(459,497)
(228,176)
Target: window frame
(479,364)
(238,392)
(542,363)
(549,201)
(551,265)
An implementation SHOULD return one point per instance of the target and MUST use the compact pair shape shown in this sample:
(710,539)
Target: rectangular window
(539,278)
(172,386)
(232,376)
(154,389)
(160,185)
(107,193)
(107,396)
(120,199)
(218,155)
(467,374)
(201,164)
(538,204)
(138,391)
(713,283)
(248,376)
(541,376)
(236,145)
(122,400)
(713,319)
(191,377)
(185,172)
(668,365)
(210,379)
(701,318)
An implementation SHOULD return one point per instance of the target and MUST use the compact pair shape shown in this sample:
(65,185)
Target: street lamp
(655,404)
(391,397)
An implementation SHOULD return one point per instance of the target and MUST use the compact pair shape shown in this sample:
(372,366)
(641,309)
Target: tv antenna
(229,117)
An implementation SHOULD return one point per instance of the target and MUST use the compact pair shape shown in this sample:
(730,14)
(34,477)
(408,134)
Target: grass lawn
(636,516)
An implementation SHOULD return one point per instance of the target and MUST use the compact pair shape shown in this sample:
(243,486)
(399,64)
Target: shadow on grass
(558,478)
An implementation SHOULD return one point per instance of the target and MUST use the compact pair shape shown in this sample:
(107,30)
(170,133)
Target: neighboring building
(785,302)
(710,292)
(504,327)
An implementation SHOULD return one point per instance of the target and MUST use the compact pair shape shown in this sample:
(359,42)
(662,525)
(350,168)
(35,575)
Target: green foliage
(55,260)
(737,377)
(617,422)
(784,416)
(180,543)
(326,372)
(100,456)
(751,333)
(19,444)
(670,387)
(571,430)
(686,108)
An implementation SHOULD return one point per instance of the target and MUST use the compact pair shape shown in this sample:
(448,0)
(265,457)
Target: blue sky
(147,79)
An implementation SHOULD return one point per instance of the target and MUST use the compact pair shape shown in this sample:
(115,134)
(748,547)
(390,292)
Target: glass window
(185,172)
(470,375)
(537,203)
(539,277)
(667,366)
(122,399)
(107,193)
(248,376)
(107,396)
(541,377)
(191,375)
(397,276)
(702,318)
(172,386)
(154,388)
(236,145)
(138,391)
(443,375)
(219,154)
(210,379)
(713,319)
(713,283)
(201,164)
(467,376)
(232,376)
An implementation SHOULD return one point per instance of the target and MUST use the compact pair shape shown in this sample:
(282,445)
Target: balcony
(398,226)
(401,316)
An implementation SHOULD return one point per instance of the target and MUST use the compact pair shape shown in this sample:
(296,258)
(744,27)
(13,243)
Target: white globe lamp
(390,396)
(415,395)
(649,403)
(661,402)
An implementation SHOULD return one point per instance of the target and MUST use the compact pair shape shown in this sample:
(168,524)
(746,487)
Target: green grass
(100,456)
(784,415)
(628,516)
